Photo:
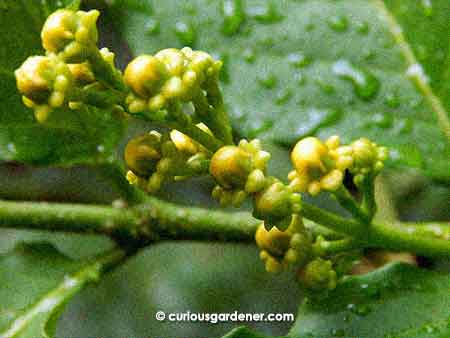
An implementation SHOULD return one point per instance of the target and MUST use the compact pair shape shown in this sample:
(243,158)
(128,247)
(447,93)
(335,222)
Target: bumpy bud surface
(318,275)
(280,249)
(68,33)
(276,204)
(44,82)
(143,153)
(319,166)
(238,170)
(169,75)
(368,158)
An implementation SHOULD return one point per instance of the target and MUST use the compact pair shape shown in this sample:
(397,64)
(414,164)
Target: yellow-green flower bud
(67,33)
(143,153)
(276,204)
(145,75)
(280,249)
(318,275)
(81,73)
(318,166)
(230,167)
(368,158)
(44,82)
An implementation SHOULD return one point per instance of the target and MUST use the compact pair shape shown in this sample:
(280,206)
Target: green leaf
(243,332)
(397,301)
(296,68)
(429,39)
(75,137)
(37,281)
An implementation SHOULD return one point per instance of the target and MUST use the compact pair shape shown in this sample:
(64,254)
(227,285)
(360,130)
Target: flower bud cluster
(368,159)
(49,82)
(171,75)
(70,34)
(153,159)
(318,275)
(44,82)
(282,249)
(318,165)
(321,165)
(238,171)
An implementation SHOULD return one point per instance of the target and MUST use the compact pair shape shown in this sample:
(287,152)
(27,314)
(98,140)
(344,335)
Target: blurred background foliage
(178,277)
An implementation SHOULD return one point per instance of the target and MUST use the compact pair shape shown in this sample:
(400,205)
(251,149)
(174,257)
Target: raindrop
(362,27)
(365,84)
(392,100)
(337,332)
(283,96)
(326,87)
(382,120)
(185,32)
(249,55)
(297,59)
(427,7)
(416,71)
(101,148)
(267,13)
(152,27)
(299,78)
(338,23)
(233,15)
(11,148)
(268,80)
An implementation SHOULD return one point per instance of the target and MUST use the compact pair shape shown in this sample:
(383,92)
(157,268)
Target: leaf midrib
(410,58)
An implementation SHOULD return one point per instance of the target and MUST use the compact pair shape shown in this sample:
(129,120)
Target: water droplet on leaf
(185,33)
(298,59)
(233,15)
(338,23)
(152,27)
(365,84)
(267,13)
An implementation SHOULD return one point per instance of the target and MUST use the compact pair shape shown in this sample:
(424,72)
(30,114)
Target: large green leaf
(295,68)
(75,136)
(36,282)
(397,301)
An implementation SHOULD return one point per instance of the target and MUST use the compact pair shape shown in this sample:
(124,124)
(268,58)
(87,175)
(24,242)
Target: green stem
(333,221)
(104,72)
(368,204)
(411,237)
(97,98)
(208,115)
(157,219)
(329,248)
(183,123)
(347,201)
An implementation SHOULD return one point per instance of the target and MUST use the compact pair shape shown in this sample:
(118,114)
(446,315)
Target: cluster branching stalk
(164,88)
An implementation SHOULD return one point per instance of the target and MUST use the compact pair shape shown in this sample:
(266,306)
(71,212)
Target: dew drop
(283,96)
(362,27)
(416,71)
(152,27)
(233,16)
(338,23)
(267,13)
(11,148)
(427,7)
(268,80)
(337,332)
(300,78)
(185,33)
(365,84)
(101,148)
(297,59)
(382,120)
(326,87)
(392,100)
(249,55)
